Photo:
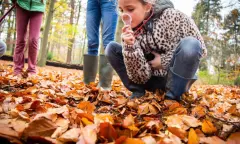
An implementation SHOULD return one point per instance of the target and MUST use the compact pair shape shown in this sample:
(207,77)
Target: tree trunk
(71,40)
(83,48)
(43,56)
(8,40)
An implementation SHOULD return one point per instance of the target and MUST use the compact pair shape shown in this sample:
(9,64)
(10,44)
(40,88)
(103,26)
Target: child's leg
(34,32)
(22,18)
(113,52)
(183,68)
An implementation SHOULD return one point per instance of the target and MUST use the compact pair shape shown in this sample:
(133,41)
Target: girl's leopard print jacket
(167,31)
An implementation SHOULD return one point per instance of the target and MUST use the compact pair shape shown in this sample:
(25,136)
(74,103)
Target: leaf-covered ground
(56,107)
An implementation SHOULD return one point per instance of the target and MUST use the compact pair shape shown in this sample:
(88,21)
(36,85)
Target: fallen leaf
(192,137)
(128,121)
(86,106)
(149,140)
(107,131)
(208,127)
(88,135)
(40,127)
(212,140)
(178,132)
(70,136)
(143,109)
(133,141)
(198,111)
(234,138)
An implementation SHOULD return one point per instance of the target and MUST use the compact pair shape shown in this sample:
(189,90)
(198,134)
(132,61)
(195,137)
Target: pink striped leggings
(23,18)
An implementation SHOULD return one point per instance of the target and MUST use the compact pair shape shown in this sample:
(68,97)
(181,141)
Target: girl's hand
(156,62)
(127,35)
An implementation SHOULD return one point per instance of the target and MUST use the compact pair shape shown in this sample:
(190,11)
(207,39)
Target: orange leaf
(198,111)
(86,121)
(192,137)
(86,106)
(178,132)
(133,141)
(107,131)
(234,138)
(129,120)
(20,107)
(208,127)
(120,140)
(85,115)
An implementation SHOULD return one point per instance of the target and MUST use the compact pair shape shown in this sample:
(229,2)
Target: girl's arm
(138,69)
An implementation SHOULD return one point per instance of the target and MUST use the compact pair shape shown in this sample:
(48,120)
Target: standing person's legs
(109,19)
(183,68)
(22,18)
(90,62)
(92,24)
(34,32)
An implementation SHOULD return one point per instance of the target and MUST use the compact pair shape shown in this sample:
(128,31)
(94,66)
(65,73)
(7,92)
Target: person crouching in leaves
(171,37)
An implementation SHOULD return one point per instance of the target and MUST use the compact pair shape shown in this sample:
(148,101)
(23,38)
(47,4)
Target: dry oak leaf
(40,127)
(128,121)
(234,138)
(71,135)
(86,106)
(100,118)
(192,137)
(133,141)
(88,134)
(178,132)
(212,140)
(107,131)
(208,127)
(198,111)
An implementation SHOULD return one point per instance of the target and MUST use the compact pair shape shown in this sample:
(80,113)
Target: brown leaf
(99,118)
(178,132)
(212,140)
(234,138)
(120,140)
(192,137)
(107,131)
(152,110)
(198,111)
(71,135)
(86,106)
(191,121)
(35,104)
(208,127)
(143,109)
(88,135)
(6,130)
(128,121)
(40,127)
(119,100)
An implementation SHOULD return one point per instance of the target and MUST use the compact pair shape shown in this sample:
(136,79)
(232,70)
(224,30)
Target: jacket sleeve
(138,69)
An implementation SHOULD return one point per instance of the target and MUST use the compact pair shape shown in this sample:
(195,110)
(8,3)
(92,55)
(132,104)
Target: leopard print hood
(161,5)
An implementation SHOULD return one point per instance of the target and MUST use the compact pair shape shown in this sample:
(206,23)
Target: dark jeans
(98,10)
(184,63)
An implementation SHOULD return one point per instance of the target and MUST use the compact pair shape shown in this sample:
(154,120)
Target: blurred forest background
(63,36)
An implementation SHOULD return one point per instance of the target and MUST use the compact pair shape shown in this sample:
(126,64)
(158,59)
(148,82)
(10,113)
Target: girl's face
(137,10)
